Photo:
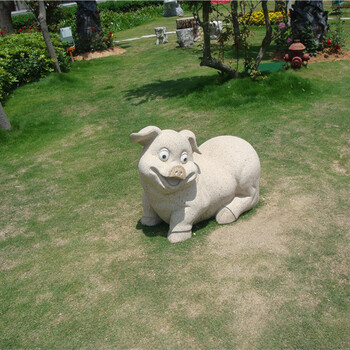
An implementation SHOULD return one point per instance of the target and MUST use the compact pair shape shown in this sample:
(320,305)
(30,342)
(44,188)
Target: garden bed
(323,56)
(112,51)
(329,57)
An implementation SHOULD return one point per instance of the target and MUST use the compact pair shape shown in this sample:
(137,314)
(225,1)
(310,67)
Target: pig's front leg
(149,216)
(180,226)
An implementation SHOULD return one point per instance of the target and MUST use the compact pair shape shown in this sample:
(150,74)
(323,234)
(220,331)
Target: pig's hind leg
(242,202)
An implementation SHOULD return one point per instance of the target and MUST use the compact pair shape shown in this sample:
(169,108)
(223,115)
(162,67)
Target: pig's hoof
(150,220)
(225,216)
(179,236)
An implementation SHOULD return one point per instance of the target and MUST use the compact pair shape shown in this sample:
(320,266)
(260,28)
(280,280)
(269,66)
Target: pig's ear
(145,135)
(191,138)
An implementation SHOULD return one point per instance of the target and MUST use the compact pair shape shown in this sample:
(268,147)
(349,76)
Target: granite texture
(172,8)
(185,184)
(161,36)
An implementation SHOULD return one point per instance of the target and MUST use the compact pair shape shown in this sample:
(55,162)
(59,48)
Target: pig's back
(231,154)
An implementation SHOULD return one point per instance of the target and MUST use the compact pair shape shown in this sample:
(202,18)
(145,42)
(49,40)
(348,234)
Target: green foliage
(336,37)
(284,40)
(307,37)
(24,20)
(125,6)
(283,33)
(24,58)
(98,41)
(54,15)
(67,19)
(132,19)
(115,19)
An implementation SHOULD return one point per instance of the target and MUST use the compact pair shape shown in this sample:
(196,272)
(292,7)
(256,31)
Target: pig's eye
(184,158)
(164,155)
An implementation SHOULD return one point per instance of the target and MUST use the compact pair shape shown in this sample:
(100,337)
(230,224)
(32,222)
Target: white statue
(215,29)
(182,187)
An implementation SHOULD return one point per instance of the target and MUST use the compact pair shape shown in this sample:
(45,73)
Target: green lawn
(78,270)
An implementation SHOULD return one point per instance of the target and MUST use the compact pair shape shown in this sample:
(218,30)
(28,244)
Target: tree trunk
(46,35)
(5,17)
(206,30)
(88,23)
(222,67)
(207,60)
(235,23)
(268,36)
(4,122)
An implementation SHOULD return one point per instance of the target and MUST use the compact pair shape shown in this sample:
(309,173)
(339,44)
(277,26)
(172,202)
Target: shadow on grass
(170,88)
(161,230)
(124,45)
(213,91)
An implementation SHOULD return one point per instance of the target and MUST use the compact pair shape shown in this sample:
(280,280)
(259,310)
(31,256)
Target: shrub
(307,37)
(54,15)
(132,19)
(117,21)
(283,34)
(24,58)
(24,20)
(125,6)
(336,38)
(98,41)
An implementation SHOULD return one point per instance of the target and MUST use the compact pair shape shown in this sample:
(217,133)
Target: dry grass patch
(248,262)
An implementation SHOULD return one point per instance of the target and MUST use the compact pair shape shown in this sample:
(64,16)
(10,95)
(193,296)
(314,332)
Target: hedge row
(126,6)
(24,58)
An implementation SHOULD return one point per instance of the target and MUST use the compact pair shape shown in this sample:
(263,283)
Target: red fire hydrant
(296,55)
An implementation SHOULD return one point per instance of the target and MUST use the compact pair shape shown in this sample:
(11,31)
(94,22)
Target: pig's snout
(178,172)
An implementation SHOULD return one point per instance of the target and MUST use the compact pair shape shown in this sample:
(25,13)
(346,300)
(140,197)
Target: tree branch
(219,65)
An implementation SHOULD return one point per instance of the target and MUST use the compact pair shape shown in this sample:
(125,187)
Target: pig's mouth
(173,182)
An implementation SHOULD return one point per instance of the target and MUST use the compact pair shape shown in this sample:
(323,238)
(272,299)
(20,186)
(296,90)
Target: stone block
(172,9)
(185,37)
(161,36)
(185,22)
(189,22)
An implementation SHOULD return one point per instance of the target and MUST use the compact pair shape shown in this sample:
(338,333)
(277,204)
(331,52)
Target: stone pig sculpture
(183,188)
